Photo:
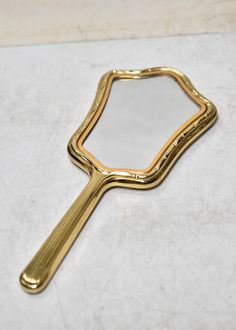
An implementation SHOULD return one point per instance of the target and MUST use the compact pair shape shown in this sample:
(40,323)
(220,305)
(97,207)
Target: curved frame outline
(170,152)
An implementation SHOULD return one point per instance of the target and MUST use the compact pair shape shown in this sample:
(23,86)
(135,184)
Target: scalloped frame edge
(170,152)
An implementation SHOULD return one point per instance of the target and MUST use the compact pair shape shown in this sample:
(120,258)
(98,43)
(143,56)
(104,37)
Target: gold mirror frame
(42,267)
(167,156)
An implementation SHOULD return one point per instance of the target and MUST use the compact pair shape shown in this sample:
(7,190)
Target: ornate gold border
(173,148)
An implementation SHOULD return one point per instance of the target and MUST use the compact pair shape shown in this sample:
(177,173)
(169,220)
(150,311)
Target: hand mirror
(144,120)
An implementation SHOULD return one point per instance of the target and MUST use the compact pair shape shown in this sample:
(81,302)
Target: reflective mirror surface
(139,117)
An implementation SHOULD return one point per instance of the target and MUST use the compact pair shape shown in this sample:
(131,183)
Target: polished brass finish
(40,270)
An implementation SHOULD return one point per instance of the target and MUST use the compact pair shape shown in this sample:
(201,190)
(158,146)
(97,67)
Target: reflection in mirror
(139,117)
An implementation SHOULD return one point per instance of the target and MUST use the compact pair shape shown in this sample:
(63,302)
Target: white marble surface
(160,259)
(25,22)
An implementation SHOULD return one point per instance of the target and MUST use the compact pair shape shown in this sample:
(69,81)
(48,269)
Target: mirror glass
(139,117)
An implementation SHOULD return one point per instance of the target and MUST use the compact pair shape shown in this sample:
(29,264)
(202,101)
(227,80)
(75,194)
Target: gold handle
(42,267)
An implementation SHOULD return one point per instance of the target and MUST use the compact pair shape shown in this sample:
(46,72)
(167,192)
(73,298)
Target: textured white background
(158,259)
(50,21)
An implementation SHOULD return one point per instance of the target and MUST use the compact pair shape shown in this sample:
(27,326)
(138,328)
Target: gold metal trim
(173,148)
(42,267)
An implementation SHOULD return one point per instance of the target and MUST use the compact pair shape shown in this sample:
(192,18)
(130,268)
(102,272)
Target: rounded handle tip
(30,284)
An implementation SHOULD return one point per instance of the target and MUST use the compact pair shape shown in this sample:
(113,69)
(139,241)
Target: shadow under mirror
(139,117)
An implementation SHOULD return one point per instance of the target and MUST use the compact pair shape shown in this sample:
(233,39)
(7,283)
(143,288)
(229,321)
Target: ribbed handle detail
(42,267)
